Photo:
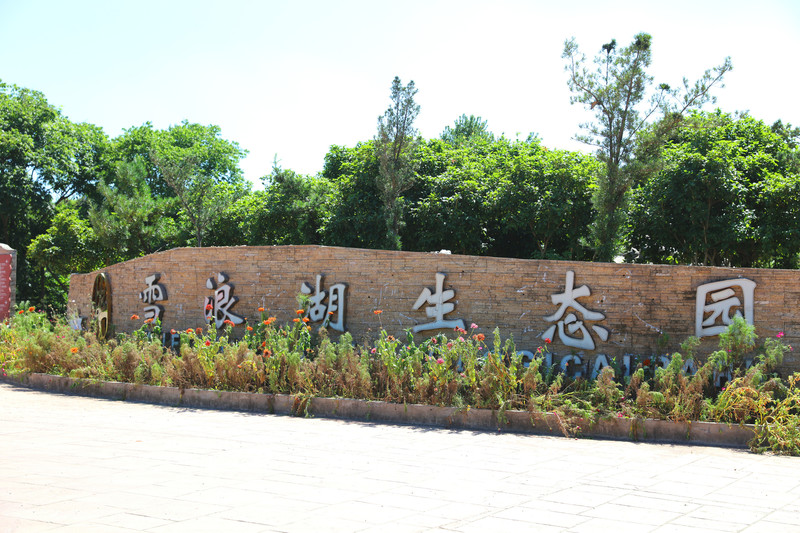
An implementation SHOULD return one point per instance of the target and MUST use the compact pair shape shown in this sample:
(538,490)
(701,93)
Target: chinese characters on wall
(575,323)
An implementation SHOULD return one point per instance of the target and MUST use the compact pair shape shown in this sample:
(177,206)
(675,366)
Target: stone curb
(640,430)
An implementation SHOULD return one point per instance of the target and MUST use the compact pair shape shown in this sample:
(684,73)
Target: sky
(287,80)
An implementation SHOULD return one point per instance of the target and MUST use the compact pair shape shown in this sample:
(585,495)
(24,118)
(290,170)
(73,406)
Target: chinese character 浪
(218,307)
(155,292)
(567,300)
(723,300)
(333,313)
(437,308)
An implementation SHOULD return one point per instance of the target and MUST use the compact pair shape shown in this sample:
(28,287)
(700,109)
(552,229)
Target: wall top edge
(388,254)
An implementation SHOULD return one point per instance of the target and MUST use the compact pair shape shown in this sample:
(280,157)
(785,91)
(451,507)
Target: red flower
(172,331)
(547,341)
(208,343)
(260,309)
(209,307)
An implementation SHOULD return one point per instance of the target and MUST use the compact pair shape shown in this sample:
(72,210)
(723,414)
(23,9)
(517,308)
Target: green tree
(356,210)
(614,91)
(395,145)
(466,129)
(215,159)
(728,194)
(69,245)
(128,221)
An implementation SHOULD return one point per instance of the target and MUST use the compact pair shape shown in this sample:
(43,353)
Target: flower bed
(459,380)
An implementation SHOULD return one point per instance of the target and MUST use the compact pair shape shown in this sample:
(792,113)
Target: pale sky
(292,78)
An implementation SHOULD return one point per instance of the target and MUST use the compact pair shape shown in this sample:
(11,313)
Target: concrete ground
(70,463)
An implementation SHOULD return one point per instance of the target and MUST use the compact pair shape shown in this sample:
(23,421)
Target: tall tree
(395,144)
(129,220)
(728,194)
(466,129)
(614,91)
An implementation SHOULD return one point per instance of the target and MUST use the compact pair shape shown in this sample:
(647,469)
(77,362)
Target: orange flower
(229,323)
(296,320)
(73,350)
(300,311)
(309,328)
(134,317)
(148,321)
(249,328)
(31,309)
(306,319)
(390,338)
(479,337)
(21,311)
(260,309)
(378,311)
(209,307)
(189,331)
(199,331)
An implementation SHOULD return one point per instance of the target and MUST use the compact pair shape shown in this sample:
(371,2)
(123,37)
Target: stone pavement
(78,464)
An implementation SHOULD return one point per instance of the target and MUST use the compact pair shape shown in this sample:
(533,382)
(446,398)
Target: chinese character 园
(723,301)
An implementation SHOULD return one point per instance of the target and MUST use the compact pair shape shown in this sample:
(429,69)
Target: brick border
(638,430)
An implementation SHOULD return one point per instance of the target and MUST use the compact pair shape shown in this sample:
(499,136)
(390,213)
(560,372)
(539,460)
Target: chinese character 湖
(333,312)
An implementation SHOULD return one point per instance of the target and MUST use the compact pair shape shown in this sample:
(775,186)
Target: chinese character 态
(218,307)
(437,308)
(567,300)
(155,292)
(318,311)
(723,301)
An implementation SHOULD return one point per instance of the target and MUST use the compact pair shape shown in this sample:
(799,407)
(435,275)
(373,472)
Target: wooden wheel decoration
(101,305)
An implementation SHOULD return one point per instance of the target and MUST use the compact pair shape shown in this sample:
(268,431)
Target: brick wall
(645,309)
(8,280)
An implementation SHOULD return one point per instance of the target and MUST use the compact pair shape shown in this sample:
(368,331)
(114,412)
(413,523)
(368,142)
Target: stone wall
(614,310)
(8,280)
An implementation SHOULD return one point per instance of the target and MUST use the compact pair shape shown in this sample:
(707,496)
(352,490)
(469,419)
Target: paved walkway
(78,464)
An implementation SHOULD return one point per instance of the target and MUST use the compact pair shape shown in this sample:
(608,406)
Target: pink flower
(449,344)
(780,334)
(473,326)
(373,350)
(440,361)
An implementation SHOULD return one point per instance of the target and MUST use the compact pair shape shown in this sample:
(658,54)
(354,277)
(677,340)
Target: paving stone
(85,464)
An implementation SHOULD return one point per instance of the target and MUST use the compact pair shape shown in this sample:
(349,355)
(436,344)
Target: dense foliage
(703,188)
(464,369)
